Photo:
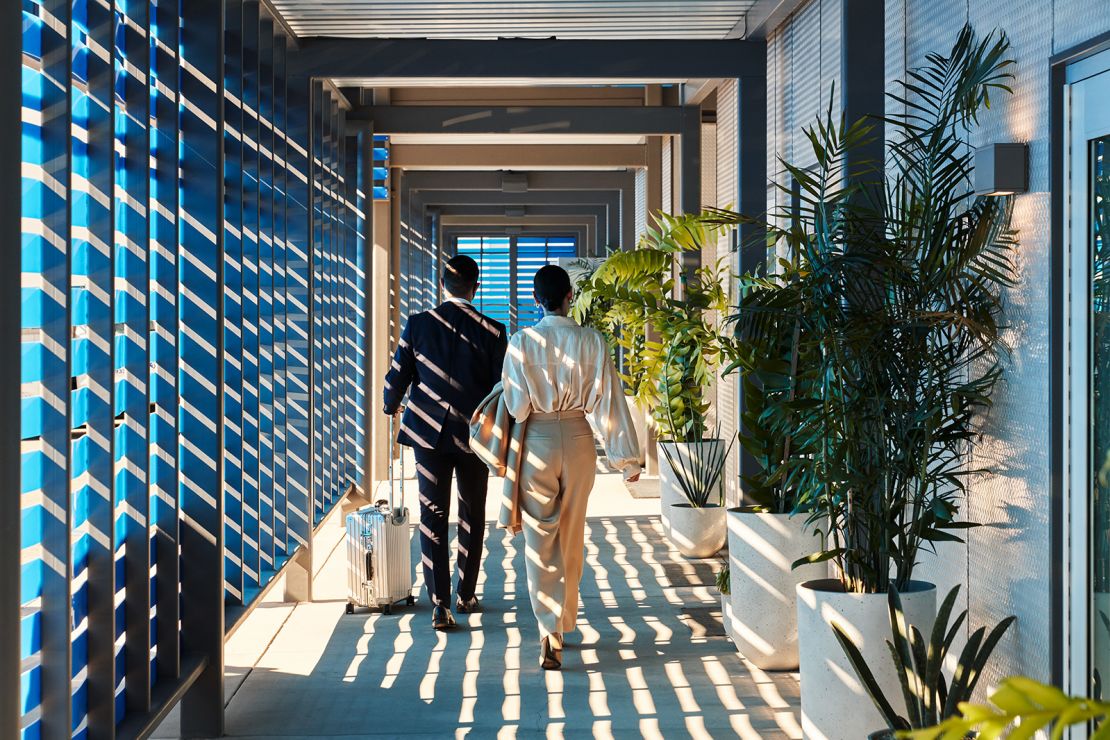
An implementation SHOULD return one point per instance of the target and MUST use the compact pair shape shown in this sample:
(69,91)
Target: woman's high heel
(551,657)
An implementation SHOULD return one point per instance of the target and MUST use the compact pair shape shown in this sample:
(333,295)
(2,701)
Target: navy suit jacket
(448,360)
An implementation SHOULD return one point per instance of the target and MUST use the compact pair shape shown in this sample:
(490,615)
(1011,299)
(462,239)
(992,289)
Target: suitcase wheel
(387,608)
(410,600)
(350,608)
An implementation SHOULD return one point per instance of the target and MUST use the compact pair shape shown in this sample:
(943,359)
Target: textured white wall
(725,187)
(1005,566)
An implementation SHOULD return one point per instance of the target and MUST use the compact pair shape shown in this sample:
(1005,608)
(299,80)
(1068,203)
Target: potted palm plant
(899,294)
(662,324)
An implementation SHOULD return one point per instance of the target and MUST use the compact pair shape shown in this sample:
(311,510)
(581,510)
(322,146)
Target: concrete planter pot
(761,549)
(1100,632)
(697,532)
(639,423)
(686,453)
(835,705)
(727,616)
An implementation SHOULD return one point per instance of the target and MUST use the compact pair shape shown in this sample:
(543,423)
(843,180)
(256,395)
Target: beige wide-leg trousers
(556,477)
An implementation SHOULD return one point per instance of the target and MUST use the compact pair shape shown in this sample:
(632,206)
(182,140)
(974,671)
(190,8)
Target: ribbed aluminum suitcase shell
(379,561)
(379,558)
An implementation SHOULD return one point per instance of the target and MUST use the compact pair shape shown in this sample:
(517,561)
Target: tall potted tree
(900,299)
(661,320)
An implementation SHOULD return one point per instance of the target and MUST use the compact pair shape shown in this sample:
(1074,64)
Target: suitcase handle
(393,443)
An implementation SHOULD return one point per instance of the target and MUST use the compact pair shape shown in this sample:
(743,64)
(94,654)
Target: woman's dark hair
(551,286)
(460,275)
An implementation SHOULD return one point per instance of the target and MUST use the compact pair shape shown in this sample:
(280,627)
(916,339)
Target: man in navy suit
(448,360)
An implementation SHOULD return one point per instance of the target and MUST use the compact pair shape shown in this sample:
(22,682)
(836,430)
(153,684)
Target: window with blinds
(508,265)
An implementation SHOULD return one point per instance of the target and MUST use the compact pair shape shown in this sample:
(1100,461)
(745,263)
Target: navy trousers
(434,469)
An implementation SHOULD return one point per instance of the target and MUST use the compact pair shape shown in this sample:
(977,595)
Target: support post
(370,404)
(689,179)
(862,89)
(751,199)
(201,376)
(298,574)
(11,61)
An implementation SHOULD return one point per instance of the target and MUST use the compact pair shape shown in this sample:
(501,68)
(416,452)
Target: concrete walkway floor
(651,658)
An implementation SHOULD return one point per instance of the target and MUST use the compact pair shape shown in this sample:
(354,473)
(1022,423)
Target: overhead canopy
(492,19)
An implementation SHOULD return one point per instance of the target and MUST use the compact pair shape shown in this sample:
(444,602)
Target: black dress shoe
(470,606)
(442,619)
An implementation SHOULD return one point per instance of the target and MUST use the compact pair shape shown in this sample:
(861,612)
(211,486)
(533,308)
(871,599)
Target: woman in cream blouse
(557,375)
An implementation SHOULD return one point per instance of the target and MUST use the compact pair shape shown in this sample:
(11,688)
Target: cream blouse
(558,365)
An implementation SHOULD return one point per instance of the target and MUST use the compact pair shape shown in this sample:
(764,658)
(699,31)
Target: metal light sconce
(1002,169)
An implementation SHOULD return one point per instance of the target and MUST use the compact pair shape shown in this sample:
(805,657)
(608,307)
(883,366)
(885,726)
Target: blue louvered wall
(191,362)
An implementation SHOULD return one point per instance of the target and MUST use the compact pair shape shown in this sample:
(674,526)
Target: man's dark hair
(460,275)
(551,285)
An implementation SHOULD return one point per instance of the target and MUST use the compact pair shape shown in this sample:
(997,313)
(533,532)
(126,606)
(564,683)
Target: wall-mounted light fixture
(1001,169)
(514,211)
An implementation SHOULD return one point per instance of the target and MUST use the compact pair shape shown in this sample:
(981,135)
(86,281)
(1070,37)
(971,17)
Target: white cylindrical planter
(697,532)
(835,705)
(761,549)
(727,616)
(684,453)
(639,423)
(1100,635)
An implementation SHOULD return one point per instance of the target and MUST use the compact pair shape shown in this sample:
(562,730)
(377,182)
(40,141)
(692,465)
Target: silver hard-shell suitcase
(379,560)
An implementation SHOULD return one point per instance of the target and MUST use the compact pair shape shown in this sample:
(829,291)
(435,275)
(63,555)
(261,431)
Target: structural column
(380,309)
(751,191)
(11,45)
(863,78)
(201,373)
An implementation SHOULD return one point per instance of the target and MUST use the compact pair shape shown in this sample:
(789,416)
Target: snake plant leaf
(866,677)
(988,647)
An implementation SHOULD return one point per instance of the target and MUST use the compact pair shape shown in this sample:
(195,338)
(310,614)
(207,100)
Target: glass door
(1089,360)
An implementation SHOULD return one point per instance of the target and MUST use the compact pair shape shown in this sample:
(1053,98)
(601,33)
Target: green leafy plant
(663,324)
(896,292)
(590,312)
(776,359)
(724,580)
(929,696)
(1026,706)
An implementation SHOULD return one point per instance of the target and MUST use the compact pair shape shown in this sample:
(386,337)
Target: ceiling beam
(435,119)
(476,222)
(517,156)
(437,198)
(576,180)
(542,59)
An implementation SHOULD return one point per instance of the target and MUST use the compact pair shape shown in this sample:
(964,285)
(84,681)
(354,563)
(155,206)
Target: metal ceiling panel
(491,19)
